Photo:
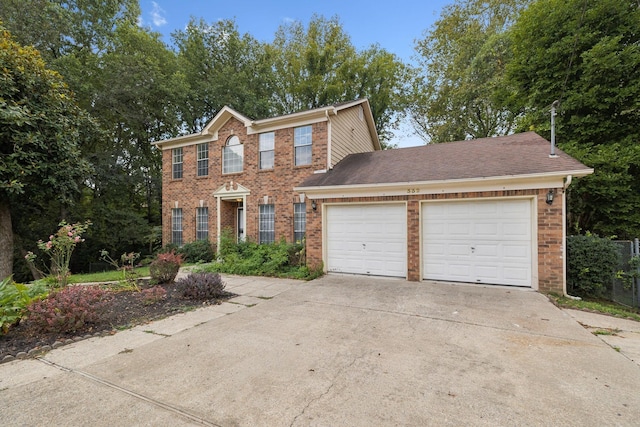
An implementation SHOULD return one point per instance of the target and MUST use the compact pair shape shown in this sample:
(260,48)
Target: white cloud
(157,15)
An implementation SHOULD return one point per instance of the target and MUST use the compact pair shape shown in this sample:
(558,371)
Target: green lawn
(600,306)
(105,276)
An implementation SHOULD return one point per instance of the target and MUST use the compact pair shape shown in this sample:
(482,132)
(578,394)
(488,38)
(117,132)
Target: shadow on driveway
(340,350)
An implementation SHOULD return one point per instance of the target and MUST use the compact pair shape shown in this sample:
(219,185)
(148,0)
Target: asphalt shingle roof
(519,154)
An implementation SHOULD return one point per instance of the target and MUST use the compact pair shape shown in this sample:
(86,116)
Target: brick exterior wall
(549,231)
(276,183)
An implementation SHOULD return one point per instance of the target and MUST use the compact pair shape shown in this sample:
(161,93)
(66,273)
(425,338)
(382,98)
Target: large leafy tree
(70,34)
(136,99)
(317,65)
(126,78)
(586,55)
(459,90)
(41,128)
(221,67)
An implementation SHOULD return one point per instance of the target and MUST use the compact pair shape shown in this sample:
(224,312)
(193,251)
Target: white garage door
(367,239)
(478,241)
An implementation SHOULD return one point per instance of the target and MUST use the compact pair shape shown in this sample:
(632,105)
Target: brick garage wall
(550,243)
(277,183)
(549,231)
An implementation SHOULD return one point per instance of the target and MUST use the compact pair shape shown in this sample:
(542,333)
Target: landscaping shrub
(165,267)
(14,300)
(202,286)
(280,259)
(592,263)
(152,295)
(126,264)
(198,251)
(68,310)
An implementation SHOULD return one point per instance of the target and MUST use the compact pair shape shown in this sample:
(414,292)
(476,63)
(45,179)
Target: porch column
(218,205)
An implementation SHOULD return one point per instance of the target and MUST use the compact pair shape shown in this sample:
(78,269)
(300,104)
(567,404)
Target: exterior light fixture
(313,205)
(550,195)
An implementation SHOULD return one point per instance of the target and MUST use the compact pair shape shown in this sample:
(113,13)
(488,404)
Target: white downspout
(564,239)
(244,217)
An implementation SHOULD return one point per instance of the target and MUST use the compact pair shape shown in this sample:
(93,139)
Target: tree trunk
(6,239)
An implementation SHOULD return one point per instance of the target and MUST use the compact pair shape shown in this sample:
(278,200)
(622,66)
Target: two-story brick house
(239,173)
(490,211)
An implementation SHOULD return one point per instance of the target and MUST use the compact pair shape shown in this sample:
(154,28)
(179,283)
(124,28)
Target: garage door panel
(486,229)
(437,268)
(457,271)
(434,249)
(478,241)
(483,210)
(367,239)
(488,251)
(457,229)
(455,211)
(435,230)
(457,250)
(487,273)
(517,252)
(516,230)
(516,273)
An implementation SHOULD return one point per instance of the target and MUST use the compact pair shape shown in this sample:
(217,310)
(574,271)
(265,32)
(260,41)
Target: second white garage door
(367,239)
(478,241)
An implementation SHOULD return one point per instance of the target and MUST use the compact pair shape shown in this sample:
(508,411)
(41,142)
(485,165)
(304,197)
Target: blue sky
(392,24)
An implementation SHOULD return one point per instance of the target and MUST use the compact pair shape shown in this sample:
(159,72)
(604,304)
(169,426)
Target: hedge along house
(239,174)
(490,211)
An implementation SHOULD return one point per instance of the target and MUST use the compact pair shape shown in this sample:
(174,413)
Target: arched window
(232,155)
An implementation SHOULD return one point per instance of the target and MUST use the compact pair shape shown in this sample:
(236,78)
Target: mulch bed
(124,310)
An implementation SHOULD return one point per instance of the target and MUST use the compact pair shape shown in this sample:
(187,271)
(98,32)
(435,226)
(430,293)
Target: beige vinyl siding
(349,134)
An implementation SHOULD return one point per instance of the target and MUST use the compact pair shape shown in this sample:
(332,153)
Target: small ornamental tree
(59,248)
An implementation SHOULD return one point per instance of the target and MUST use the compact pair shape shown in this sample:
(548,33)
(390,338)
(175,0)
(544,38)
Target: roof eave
(435,186)
(180,140)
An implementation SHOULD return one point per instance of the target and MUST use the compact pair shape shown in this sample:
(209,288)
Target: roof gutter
(440,185)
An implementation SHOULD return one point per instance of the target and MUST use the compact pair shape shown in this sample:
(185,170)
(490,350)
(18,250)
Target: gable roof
(505,156)
(301,118)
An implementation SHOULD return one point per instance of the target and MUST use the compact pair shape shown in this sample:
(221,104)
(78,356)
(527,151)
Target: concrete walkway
(621,334)
(340,350)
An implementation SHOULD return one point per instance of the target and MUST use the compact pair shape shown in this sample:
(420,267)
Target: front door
(240,227)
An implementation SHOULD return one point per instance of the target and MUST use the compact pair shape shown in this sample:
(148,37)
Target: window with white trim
(299,221)
(203,159)
(266,147)
(176,226)
(232,155)
(176,163)
(302,144)
(267,224)
(202,223)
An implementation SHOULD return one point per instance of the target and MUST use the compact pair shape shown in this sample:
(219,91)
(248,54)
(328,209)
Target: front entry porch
(231,200)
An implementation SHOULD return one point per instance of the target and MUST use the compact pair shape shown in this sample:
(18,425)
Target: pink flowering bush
(59,248)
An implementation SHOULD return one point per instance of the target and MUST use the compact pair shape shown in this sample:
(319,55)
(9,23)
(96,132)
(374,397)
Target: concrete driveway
(338,351)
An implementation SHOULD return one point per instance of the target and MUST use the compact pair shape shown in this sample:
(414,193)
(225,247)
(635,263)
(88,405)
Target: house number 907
(413,190)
